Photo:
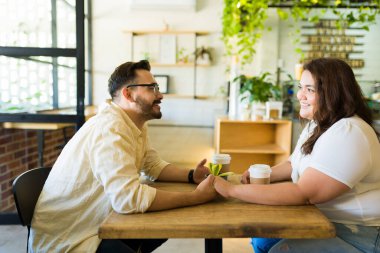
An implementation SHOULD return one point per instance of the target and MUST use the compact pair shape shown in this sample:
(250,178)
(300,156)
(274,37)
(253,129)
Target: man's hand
(201,172)
(245,178)
(223,187)
(205,191)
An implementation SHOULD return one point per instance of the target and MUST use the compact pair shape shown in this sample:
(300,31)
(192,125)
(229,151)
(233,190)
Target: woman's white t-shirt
(349,151)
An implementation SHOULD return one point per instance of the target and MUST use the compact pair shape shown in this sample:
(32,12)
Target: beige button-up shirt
(97,172)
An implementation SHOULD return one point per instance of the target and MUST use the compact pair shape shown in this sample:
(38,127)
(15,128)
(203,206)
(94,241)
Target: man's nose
(159,94)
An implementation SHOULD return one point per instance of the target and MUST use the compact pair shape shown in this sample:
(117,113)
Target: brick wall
(19,152)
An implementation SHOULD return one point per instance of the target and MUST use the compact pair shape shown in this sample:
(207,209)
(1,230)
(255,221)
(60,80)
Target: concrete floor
(183,146)
(13,240)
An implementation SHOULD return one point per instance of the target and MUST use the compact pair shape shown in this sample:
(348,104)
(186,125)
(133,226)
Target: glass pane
(28,23)
(67,82)
(66,24)
(26,84)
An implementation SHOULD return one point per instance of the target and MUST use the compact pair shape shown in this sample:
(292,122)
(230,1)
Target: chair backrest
(27,188)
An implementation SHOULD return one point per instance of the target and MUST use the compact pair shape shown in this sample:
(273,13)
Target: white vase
(274,109)
(204,60)
(244,112)
(258,111)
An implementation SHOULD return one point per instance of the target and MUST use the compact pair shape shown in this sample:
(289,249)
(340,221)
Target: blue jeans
(349,239)
(263,245)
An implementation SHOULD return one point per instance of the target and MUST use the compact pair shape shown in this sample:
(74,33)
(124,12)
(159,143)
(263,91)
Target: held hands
(223,187)
(245,178)
(205,190)
(201,172)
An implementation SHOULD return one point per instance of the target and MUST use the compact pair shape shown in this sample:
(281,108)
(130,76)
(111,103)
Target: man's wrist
(190,177)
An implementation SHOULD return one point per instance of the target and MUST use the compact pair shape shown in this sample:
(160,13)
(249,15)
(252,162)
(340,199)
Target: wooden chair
(27,188)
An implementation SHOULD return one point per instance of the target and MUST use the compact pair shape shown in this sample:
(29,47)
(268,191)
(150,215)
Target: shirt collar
(136,131)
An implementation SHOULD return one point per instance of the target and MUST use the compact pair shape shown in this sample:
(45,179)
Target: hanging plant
(243,20)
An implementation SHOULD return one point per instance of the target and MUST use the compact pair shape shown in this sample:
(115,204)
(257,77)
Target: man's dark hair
(338,96)
(125,74)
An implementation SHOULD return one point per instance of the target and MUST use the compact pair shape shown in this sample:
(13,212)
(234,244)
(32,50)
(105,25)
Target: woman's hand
(223,187)
(205,190)
(200,172)
(245,178)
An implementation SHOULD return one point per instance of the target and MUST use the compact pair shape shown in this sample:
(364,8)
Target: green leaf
(225,174)
(217,170)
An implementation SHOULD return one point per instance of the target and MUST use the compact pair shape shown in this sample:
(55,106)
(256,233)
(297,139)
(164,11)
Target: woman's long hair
(338,96)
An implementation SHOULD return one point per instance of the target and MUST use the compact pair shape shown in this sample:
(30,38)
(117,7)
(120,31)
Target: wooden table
(219,219)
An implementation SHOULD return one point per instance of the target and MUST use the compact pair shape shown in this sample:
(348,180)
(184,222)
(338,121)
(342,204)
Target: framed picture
(163,82)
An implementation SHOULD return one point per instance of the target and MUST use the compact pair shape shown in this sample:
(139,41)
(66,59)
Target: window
(39,55)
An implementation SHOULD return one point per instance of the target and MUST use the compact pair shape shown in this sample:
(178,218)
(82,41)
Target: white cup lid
(221,159)
(259,171)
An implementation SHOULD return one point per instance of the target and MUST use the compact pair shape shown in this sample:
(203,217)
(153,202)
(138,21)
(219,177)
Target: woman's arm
(313,187)
(281,172)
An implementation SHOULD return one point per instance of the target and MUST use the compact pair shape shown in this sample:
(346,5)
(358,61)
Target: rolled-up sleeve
(153,163)
(113,161)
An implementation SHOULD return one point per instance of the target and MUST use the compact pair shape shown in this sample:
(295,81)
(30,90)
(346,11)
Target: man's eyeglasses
(152,86)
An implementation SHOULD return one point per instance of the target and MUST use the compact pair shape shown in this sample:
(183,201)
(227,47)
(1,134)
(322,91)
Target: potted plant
(203,55)
(258,90)
(182,56)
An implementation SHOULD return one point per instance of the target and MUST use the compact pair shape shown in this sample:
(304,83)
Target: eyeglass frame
(156,87)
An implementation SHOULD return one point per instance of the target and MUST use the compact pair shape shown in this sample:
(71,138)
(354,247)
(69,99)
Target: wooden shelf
(174,61)
(329,28)
(332,51)
(333,35)
(259,149)
(188,65)
(171,95)
(147,32)
(334,44)
(89,112)
(271,121)
(251,142)
(36,126)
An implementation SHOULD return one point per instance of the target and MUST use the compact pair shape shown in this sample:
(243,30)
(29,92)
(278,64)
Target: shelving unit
(251,142)
(191,65)
(324,39)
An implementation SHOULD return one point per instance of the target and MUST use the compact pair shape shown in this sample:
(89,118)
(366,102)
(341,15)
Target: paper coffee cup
(259,174)
(224,160)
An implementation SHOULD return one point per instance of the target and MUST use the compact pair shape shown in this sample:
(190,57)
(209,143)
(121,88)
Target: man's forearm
(172,173)
(168,200)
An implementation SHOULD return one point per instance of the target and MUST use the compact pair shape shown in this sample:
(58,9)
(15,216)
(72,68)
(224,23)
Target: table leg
(41,144)
(213,246)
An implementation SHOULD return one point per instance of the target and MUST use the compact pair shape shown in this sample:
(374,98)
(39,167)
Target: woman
(335,165)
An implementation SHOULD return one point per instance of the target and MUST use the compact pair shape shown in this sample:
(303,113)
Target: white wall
(112,47)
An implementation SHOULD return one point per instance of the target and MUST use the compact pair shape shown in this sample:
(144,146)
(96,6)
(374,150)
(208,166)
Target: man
(98,171)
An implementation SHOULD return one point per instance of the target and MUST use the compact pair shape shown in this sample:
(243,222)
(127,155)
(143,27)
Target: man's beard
(147,108)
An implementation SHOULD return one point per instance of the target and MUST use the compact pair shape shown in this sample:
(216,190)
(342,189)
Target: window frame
(78,53)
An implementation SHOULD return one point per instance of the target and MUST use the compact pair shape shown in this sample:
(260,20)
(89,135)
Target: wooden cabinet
(251,142)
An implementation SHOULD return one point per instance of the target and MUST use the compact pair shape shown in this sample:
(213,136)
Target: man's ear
(126,94)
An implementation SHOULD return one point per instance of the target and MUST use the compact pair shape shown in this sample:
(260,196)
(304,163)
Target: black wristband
(190,177)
